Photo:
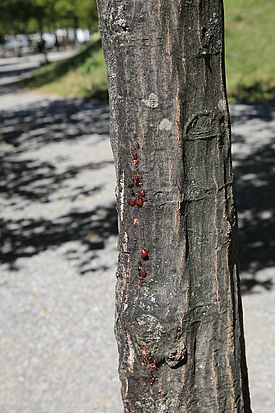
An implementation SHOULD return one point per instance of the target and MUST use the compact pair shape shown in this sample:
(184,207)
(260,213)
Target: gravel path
(58,353)
(254,162)
(58,220)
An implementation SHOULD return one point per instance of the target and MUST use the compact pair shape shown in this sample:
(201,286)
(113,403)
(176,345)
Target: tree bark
(179,317)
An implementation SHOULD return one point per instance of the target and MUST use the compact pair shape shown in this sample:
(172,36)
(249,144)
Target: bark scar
(177,356)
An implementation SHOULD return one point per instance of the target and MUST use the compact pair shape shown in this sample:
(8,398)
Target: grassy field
(250,49)
(250,59)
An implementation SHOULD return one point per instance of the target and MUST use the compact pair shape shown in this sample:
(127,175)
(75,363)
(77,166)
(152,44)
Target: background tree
(28,16)
(15,15)
(179,317)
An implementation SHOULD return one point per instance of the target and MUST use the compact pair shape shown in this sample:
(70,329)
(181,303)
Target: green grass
(250,62)
(250,49)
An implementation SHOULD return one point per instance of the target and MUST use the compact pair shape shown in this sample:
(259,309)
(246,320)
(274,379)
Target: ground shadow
(16,72)
(255,185)
(28,237)
(51,120)
(31,178)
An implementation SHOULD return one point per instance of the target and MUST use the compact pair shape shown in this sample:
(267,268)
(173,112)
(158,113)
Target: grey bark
(179,317)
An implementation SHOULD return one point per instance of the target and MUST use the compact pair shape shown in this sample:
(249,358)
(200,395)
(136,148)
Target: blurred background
(58,220)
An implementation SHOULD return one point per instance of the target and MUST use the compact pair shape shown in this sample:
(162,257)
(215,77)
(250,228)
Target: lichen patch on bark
(165,125)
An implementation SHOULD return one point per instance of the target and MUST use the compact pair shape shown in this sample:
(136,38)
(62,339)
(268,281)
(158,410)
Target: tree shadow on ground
(255,190)
(51,121)
(28,237)
(16,72)
(31,178)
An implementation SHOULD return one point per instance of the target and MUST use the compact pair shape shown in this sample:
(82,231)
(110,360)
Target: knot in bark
(177,356)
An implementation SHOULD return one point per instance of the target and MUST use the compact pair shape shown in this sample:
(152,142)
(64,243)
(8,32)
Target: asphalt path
(13,69)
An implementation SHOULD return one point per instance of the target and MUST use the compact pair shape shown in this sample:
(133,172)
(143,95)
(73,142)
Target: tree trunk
(40,22)
(75,27)
(179,317)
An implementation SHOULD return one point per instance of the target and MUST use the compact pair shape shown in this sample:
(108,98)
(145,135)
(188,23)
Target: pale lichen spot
(125,242)
(162,407)
(131,356)
(165,125)
(222,104)
(152,101)
(151,327)
(121,196)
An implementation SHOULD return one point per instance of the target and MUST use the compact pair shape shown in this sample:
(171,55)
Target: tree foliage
(27,16)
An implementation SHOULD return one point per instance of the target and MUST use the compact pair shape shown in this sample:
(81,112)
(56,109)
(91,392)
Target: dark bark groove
(179,318)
